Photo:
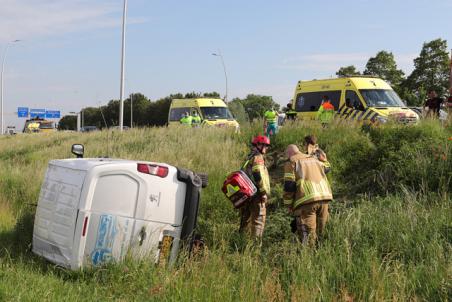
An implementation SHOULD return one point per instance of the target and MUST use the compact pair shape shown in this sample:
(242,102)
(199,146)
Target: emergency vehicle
(362,99)
(213,112)
(39,125)
(95,210)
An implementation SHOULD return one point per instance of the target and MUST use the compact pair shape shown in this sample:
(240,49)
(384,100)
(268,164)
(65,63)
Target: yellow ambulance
(38,125)
(359,98)
(213,112)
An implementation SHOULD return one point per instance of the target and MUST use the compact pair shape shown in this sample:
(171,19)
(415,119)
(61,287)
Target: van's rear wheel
(205,179)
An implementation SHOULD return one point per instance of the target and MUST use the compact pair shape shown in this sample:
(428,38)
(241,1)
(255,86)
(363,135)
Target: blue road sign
(53,114)
(22,112)
(37,113)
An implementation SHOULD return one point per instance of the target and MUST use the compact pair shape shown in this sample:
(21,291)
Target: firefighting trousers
(311,220)
(253,218)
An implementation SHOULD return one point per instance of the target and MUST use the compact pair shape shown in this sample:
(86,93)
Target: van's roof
(363,82)
(200,102)
(88,163)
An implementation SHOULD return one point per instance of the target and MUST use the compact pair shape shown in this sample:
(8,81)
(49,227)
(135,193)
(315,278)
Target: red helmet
(260,139)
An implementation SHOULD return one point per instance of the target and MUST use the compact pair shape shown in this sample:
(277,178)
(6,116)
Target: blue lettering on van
(106,233)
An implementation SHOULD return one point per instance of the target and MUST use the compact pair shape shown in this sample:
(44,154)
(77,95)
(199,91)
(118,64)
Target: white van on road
(91,211)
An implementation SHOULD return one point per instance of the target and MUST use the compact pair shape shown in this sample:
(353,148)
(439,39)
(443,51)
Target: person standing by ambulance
(307,193)
(326,111)
(186,119)
(253,214)
(271,122)
(195,119)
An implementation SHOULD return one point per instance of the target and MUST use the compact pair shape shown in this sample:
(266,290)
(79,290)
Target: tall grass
(389,237)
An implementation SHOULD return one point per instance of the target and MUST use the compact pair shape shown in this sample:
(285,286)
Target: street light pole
(1,88)
(225,74)
(131,110)
(121,100)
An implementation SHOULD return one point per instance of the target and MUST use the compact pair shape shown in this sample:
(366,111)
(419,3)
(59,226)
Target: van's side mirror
(78,150)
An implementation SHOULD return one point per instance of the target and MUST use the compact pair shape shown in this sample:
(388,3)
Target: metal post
(1,84)
(78,122)
(225,74)
(121,100)
(131,111)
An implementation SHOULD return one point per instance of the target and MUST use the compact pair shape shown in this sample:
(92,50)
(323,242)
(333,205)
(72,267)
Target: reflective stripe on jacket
(305,180)
(256,169)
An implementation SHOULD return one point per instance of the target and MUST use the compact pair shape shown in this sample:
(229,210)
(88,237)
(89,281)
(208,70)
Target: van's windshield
(381,98)
(213,113)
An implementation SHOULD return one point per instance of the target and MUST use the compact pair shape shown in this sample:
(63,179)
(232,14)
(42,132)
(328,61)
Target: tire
(205,179)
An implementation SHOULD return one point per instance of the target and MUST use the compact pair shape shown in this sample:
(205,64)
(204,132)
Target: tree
(68,122)
(384,66)
(140,104)
(347,71)
(256,105)
(237,109)
(431,69)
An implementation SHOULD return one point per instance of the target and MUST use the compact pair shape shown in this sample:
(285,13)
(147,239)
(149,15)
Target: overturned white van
(91,211)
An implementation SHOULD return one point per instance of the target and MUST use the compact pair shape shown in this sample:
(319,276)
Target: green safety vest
(186,120)
(270,117)
(196,120)
(326,112)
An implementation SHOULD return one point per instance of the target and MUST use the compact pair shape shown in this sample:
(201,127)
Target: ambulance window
(354,100)
(310,101)
(115,194)
(176,113)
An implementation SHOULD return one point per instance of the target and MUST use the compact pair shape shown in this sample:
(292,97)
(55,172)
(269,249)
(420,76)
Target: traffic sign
(37,113)
(53,114)
(22,112)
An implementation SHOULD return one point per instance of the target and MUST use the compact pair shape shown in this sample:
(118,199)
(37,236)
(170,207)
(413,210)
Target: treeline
(147,113)
(431,71)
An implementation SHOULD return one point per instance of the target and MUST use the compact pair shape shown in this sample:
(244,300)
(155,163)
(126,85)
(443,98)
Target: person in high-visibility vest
(290,113)
(253,214)
(186,119)
(271,122)
(326,111)
(195,119)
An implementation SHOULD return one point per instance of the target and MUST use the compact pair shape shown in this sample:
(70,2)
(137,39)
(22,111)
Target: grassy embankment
(389,237)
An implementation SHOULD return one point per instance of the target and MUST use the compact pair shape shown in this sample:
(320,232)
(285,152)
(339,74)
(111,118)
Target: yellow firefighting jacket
(255,167)
(305,180)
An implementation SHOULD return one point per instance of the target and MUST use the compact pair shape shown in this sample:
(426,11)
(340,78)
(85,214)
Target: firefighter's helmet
(261,139)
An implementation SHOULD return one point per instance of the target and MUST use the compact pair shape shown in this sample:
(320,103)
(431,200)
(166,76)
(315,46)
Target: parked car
(123,128)
(89,129)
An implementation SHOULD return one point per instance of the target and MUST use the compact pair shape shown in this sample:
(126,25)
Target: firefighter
(195,119)
(312,148)
(271,122)
(186,119)
(253,214)
(326,111)
(307,193)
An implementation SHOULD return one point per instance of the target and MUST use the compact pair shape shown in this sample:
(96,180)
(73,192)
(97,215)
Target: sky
(69,56)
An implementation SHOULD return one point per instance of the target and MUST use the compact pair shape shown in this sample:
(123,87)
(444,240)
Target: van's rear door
(111,216)
(56,214)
